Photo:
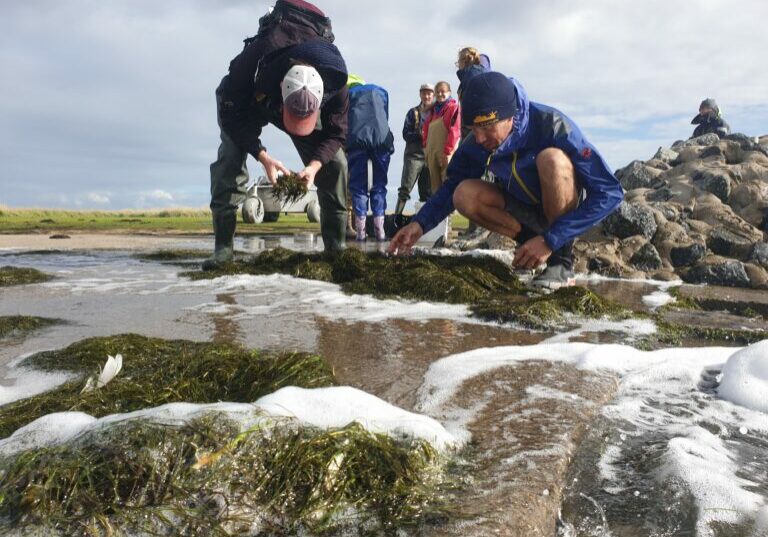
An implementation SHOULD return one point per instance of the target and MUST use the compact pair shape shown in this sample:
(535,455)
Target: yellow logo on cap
(488,118)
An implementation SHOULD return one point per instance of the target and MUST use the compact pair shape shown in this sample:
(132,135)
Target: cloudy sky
(109,103)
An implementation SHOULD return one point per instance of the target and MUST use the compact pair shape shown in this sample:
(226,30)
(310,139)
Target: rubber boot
(378,228)
(359,228)
(400,207)
(224,233)
(333,229)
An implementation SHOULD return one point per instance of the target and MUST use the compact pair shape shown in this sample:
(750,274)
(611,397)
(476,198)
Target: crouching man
(551,184)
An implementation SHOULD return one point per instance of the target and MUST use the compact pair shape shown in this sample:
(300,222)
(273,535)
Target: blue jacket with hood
(369,119)
(536,127)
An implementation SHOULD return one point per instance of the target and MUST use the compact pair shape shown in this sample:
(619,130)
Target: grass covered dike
(488,286)
(206,477)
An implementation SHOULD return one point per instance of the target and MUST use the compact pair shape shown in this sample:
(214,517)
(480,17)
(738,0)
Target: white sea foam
(323,408)
(593,277)
(28,382)
(703,462)
(280,294)
(657,299)
(745,377)
(652,385)
(505,256)
(338,406)
(634,328)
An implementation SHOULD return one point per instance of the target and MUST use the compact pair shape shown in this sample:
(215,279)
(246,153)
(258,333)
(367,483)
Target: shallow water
(540,428)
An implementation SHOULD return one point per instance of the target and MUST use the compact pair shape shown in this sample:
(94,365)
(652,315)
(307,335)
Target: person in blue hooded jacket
(369,138)
(551,184)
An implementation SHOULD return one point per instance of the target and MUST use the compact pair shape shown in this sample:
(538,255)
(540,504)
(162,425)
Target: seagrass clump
(546,311)
(21,325)
(208,477)
(157,371)
(453,280)
(289,189)
(21,276)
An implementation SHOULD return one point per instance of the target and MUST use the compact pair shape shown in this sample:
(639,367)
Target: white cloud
(95,197)
(159,195)
(124,101)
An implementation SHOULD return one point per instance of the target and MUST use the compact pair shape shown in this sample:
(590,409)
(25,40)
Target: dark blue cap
(487,99)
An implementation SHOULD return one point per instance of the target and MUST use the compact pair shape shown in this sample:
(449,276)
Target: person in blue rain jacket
(369,138)
(551,185)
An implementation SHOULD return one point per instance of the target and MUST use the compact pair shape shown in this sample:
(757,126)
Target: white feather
(111,368)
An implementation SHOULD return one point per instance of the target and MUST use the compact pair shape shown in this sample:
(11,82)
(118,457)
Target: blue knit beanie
(487,99)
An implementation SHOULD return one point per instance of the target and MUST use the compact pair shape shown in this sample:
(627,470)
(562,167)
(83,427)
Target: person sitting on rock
(709,120)
(551,184)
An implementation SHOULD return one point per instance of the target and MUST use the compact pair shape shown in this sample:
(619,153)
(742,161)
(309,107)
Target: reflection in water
(389,358)
(225,328)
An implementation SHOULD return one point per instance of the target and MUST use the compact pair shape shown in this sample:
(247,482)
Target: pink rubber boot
(360,228)
(378,228)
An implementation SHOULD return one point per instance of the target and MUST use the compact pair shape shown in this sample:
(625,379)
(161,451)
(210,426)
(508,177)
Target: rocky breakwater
(697,211)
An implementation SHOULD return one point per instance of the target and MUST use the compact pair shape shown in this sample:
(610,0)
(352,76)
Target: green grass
(188,221)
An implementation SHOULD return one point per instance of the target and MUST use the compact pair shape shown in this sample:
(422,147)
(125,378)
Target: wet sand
(96,241)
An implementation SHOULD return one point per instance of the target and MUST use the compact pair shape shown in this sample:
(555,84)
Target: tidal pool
(570,431)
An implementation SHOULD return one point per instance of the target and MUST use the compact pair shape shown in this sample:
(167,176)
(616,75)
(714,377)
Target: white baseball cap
(302,89)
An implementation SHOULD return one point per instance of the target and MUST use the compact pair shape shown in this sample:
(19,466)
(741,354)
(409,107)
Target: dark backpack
(289,23)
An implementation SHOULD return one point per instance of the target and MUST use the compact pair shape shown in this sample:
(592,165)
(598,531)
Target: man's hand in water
(404,239)
(532,253)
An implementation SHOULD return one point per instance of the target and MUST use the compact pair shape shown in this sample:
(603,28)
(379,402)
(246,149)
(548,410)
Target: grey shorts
(529,216)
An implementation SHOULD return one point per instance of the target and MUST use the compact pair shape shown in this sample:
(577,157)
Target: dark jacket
(413,125)
(249,97)
(369,119)
(536,127)
(469,72)
(710,124)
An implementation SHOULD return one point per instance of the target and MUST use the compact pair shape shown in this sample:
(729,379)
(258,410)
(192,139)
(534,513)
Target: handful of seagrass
(289,189)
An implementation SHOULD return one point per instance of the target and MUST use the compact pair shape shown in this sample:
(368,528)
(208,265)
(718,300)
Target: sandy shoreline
(96,241)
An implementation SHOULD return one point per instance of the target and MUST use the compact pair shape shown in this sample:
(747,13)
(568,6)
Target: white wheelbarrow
(261,206)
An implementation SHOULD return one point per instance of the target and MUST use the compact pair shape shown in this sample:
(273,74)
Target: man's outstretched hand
(404,239)
(532,253)
(308,174)
(272,167)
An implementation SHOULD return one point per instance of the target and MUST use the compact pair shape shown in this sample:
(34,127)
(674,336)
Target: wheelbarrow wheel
(313,211)
(253,210)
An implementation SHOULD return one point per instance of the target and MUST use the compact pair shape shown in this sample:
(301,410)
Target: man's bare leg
(558,183)
(559,196)
(483,203)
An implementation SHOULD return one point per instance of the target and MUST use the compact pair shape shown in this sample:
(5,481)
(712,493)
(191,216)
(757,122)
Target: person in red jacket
(442,132)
